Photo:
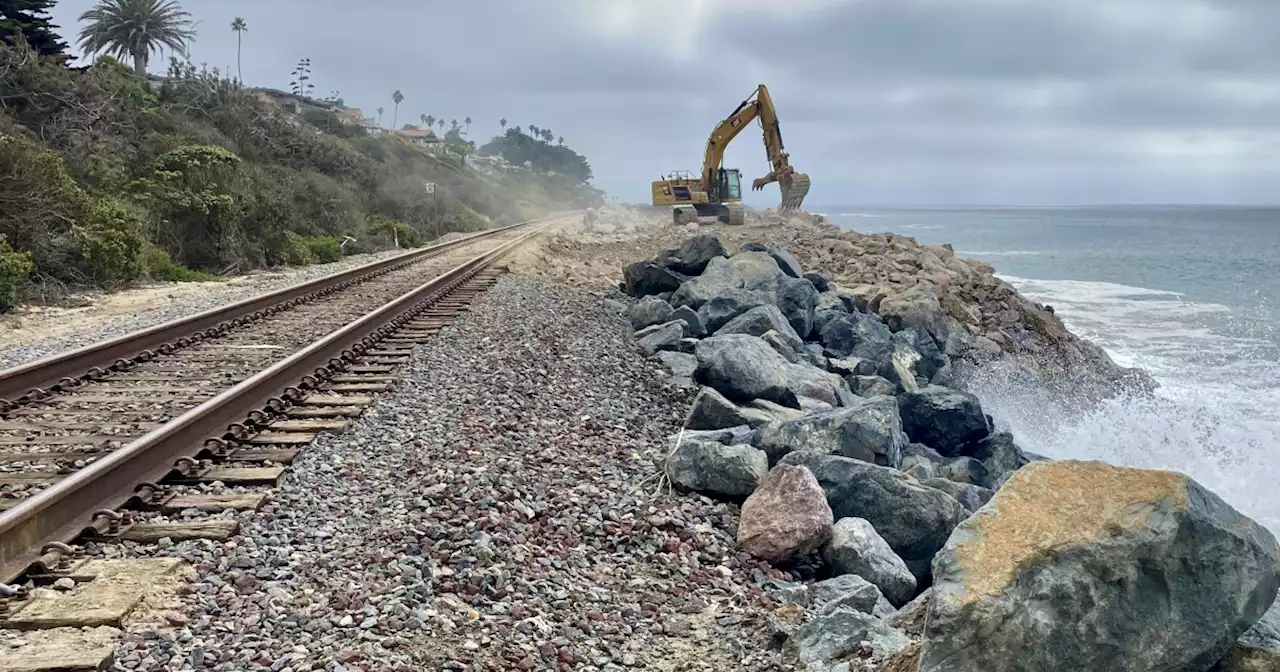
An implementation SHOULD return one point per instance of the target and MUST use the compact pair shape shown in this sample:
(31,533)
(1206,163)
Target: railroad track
(95,442)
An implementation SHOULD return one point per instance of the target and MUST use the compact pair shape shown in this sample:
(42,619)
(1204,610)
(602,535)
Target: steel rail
(67,509)
(61,370)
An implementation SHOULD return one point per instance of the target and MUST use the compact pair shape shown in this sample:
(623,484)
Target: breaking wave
(1216,416)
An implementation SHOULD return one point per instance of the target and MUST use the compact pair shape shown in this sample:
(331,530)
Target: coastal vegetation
(109,175)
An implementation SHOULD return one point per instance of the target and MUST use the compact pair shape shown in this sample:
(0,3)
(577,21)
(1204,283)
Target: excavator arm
(794,185)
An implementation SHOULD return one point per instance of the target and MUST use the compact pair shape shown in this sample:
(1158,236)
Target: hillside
(106,178)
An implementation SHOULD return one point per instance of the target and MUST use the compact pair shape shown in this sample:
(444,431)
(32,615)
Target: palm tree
(440,123)
(453,124)
(135,28)
(533,130)
(397,98)
(429,120)
(547,134)
(380,111)
(467,121)
(503,123)
(239,26)
(561,140)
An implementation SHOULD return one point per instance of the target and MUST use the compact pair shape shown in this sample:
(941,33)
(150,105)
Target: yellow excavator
(717,192)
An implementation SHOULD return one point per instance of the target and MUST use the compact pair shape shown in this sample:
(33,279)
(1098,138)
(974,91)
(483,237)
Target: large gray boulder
(660,337)
(947,420)
(810,381)
(759,321)
(822,317)
(916,306)
(786,261)
(648,311)
(820,280)
(856,548)
(717,279)
(850,590)
(645,278)
(776,411)
(719,310)
(785,347)
(711,410)
(829,301)
(692,321)
(859,335)
(1001,457)
(838,633)
(695,253)
(972,497)
(758,270)
(708,466)
(1086,566)
(870,431)
(682,365)
(796,299)
(1259,649)
(870,386)
(743,368)
(851,366)
(916,520)
(932,364)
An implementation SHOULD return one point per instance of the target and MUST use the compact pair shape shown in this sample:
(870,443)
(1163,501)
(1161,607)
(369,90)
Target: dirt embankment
(980,316)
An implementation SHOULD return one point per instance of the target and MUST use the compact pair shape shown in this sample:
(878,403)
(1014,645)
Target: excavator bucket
(793,197)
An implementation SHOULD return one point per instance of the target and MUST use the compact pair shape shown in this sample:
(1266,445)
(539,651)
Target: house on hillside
(293,102)
(422,137)
(352,116)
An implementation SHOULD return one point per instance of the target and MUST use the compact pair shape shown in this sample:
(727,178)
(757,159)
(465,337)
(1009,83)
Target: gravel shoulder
(496,511)
(33,332)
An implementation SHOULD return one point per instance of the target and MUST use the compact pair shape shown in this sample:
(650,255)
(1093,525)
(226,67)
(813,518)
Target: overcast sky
(882,101)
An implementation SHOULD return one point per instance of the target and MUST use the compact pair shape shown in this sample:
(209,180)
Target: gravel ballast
(495,511)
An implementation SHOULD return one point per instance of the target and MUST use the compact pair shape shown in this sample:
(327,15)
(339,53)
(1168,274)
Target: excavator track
(684,215)
(734,214)
(793,198)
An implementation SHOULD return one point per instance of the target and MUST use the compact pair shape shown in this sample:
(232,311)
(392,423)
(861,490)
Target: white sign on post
(431,187)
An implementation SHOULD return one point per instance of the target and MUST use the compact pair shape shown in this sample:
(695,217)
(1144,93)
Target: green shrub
(192,193)
(295,251)
(157,265)
(110,241)
(37,196)
(324,249)
(394,231)
(13,267)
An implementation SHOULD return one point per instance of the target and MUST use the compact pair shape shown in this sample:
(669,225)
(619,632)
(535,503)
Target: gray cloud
(885,101)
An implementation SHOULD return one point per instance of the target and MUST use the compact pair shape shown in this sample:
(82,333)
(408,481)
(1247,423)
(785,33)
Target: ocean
(1189,293)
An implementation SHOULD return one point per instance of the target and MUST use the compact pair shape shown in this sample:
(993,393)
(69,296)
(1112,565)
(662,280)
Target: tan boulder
(1070,555)
(787,516)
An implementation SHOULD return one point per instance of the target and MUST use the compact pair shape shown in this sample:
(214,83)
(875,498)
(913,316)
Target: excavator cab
(729,185)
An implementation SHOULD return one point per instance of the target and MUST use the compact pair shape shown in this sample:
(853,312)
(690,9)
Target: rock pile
(833,415)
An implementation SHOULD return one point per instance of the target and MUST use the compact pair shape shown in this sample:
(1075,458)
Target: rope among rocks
(663,479)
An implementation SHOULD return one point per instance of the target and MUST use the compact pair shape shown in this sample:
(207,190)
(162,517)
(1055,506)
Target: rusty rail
(31,533)
(62,370)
